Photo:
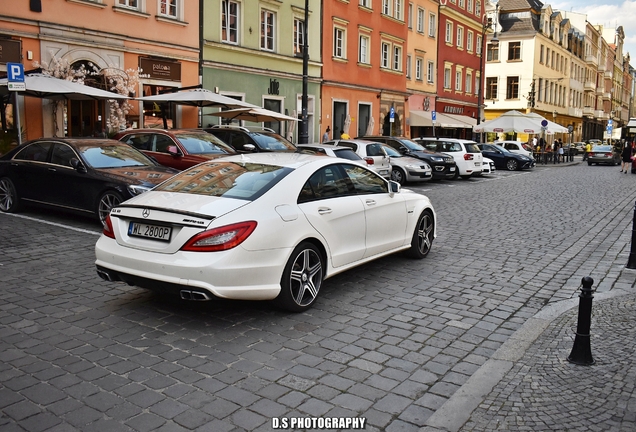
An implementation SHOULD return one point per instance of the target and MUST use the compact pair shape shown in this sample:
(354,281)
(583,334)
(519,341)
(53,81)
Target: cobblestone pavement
(393,341)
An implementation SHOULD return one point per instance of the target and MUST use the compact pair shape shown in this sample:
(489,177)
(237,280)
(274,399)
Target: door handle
(370,202)
(324,210)
(52,169)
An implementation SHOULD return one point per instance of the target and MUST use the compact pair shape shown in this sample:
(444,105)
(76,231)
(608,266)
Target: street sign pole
(15,83)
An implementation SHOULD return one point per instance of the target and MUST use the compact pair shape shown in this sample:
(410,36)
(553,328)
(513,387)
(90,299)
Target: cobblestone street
(392,341)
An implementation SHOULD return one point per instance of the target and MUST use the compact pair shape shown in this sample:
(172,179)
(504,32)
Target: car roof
(287,159)
(83,141)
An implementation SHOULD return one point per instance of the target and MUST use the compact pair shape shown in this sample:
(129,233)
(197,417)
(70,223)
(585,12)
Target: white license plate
(477,163)
(155,232)
(452,169)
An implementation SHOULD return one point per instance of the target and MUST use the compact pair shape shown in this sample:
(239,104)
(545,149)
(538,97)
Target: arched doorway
(86,117)
(391,128)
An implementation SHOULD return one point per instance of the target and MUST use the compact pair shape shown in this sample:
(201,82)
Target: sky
(610,13)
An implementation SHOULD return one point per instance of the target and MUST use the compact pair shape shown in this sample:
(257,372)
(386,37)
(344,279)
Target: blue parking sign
(433,115)
(15,77)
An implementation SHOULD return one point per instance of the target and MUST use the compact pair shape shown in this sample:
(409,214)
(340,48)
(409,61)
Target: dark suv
(442,165)
(251,140)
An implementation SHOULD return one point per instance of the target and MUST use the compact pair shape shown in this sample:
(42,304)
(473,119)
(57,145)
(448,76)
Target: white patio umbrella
(552,127)
(370,126)
(48,87)
(256,115)
(198,98)
(347,124)
(511,121)
(291,126)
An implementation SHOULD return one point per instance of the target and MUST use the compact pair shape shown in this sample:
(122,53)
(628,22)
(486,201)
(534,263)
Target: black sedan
(505,159)
(79,174)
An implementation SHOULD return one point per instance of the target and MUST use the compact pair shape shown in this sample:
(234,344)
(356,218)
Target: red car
(176,148)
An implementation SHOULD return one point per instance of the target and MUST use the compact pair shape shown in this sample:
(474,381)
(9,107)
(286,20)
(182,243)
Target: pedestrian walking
(344,135)
(325,136)
(588,149)
(626,157)
(560,152)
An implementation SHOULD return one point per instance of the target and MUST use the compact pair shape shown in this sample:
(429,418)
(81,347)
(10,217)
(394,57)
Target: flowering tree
(116,80)
(124,83)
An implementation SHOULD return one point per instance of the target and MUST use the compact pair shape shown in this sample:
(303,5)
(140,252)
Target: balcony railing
(590,86)
(591,60)
(588,111)
(575,112)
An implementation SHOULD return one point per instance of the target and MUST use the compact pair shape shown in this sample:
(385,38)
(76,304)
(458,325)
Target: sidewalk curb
(456,411)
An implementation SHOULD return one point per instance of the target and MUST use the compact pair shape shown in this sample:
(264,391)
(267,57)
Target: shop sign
(159,69)
(274,87)
(10,51)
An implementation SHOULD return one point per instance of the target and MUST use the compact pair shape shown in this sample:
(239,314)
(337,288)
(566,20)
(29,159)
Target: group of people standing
(547,153)
(325,136)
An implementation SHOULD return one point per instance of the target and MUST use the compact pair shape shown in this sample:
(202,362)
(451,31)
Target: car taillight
(369,161)
(221,238)
(108,228)
(468,156)
(608,154)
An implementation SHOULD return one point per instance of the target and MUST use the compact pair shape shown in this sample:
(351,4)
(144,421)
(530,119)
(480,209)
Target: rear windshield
(472,148)
(606,149)
(347,154)
(204,144)
(246,181)
(272,142)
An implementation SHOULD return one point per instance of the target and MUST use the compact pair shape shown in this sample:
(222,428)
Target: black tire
(302,279)
(456,173)
(9,199)
(589,163)
(107,201)
(512,165)
(422,239)
(398,175)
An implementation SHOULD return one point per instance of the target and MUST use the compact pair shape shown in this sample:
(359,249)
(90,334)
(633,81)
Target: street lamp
(486,25)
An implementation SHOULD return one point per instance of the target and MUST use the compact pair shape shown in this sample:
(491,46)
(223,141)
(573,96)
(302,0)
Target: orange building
(143,46)
(364,51)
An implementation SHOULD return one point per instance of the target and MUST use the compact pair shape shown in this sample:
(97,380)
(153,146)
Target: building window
(420,20)
(397,57)
(410,16)
(512,87)
(542,54)
(339,43)
(268,22)
(447,78)
(514,51)
(398,10)
(384,59)
(460,37)
(462,4)
(458,80)
(133,4)
(365,3)
(469,41)
(479,45)
(432,25)
(430,72)
(299,36)
(478,8)
(477,83)
(418,69)
(449,33)
(469,82)
(229,21)
(408,66)
(492,52)
(168,8)
(470,6)
(386,7)
(363,55)
(491,88)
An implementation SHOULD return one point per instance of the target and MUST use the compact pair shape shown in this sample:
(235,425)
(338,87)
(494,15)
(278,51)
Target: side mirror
(394,187)
(249,147)
(78,165)
(174,150)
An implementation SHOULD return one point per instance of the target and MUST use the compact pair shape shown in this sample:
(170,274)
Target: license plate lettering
(155,232)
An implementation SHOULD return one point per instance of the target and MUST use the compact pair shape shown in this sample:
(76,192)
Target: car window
(139,141)
(113,156)
(272,142)
(327,182)
(203,144)
(446,146)
(375,150)
(351,145)
(34,152)
(471,148)
(238,140)
(162,142)
(346,153)
(62,154)
(430,145)
(366,182)
(245,181)
(390,151)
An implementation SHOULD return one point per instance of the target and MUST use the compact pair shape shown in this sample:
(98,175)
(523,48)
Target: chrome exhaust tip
(195,295)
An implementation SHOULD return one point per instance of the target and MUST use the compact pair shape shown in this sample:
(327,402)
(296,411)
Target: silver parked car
(406,168)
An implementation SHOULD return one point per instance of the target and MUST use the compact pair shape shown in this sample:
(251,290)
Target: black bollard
(581,353)
(631,262)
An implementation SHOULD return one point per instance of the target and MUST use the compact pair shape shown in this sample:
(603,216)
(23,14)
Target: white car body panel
(252,270)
